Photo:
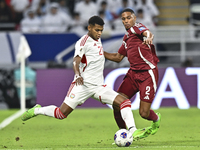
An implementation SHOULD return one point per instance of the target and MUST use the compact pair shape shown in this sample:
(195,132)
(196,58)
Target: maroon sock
(118,118)
(152,116)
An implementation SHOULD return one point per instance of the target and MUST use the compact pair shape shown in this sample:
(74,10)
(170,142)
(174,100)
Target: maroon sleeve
(122,50)
(139,28)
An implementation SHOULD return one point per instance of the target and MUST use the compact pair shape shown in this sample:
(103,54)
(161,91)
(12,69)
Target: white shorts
(77,95)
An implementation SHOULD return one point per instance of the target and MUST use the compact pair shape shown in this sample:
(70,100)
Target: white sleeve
(79,50)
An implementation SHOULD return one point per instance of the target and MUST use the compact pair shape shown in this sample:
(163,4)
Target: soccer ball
(123,138)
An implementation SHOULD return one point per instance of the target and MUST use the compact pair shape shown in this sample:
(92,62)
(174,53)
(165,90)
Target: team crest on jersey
(72,96)
(95,44)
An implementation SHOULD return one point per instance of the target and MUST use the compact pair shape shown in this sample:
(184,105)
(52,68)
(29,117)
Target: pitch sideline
(8,120)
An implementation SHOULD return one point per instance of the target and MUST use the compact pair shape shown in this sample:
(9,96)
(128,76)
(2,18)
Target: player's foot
(141,133)
(29,113)
(156,124)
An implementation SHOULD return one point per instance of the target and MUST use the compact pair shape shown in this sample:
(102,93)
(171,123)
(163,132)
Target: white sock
(132,130)
(47,111)
(127,115)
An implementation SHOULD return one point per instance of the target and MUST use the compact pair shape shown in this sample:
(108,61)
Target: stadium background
(177,47)
(92,125)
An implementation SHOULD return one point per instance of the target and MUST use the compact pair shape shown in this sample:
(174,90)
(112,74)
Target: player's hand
(148,40)
(79,80)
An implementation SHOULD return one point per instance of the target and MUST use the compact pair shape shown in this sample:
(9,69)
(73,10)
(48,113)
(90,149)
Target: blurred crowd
(58,16)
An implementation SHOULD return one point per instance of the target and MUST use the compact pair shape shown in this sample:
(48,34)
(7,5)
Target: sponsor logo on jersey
(72,96)
(146,97)
(142,28)
(95,44)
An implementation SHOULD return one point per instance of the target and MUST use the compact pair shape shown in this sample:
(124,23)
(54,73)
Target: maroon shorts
(144,81)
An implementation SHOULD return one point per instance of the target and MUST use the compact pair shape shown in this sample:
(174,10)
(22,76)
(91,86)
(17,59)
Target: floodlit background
(52,27)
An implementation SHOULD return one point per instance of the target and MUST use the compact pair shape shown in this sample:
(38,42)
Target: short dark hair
(76,14)
(103,3)
(140,10)
(128,10)
(96,20)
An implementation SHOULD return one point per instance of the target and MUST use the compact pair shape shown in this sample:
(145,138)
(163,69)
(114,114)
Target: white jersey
(92,62)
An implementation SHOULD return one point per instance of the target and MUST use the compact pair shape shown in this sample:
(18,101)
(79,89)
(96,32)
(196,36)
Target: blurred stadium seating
(173,12)
(176,39)
(175,44)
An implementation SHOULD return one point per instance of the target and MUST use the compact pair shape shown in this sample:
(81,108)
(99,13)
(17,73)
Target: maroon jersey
(140,56)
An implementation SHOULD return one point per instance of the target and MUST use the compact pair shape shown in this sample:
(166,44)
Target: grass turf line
(95,128)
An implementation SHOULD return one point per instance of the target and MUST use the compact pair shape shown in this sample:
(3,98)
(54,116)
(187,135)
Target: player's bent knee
(118,100)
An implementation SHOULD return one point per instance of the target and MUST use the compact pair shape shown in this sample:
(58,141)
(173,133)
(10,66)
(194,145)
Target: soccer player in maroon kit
(142,76)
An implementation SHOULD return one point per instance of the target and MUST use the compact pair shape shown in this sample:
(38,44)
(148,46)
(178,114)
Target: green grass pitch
(88,129)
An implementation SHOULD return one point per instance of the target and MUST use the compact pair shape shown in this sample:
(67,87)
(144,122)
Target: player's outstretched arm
(117,57)
(76,62)
(149,37)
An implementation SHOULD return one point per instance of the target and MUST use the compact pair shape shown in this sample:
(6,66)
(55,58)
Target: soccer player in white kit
(88,65)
